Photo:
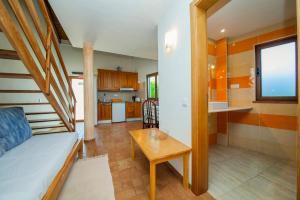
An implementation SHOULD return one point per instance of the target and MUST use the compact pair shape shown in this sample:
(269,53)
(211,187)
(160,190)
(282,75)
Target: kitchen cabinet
(104,80)
(104,111)
(123,80)
(115,80)
(132,80)
(109,80)
(133,109)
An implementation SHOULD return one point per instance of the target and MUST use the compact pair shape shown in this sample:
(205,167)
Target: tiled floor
(233,173)
(236,174)
(130,178)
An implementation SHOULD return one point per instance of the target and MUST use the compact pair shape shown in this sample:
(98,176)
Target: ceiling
(115,26)
(130,27)
(239,17)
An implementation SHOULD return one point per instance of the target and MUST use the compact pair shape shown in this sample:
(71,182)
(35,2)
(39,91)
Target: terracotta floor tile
(131,178)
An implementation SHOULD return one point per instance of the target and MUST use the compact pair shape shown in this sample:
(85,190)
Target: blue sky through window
(278,68)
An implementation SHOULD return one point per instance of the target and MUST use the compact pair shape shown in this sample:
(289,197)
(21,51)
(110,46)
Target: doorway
(199,13)
(77,86)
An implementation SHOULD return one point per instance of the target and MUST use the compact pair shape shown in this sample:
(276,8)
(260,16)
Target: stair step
(46,127)
(20,91)
(40,113)
(43,120)
(9,54)
(15,76)
(24,104)
(49,131)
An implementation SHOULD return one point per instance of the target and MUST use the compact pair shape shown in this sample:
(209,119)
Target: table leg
(132,149)
(152,180)
(186,171)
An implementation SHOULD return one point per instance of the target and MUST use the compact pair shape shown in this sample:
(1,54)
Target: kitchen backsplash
(125,96)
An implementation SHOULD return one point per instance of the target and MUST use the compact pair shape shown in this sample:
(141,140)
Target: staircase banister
(56,44)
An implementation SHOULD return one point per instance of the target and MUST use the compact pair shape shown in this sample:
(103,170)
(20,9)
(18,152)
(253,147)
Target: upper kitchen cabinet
(104,80)
(115,80)
(109,80)
(123,80)
(132,80)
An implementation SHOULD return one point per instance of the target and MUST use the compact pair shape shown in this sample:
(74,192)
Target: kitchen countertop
(230,109)
(108,102)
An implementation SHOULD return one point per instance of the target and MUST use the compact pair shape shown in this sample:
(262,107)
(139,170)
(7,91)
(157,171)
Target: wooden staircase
(30,32)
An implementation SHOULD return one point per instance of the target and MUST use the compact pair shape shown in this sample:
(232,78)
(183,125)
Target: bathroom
(252,107)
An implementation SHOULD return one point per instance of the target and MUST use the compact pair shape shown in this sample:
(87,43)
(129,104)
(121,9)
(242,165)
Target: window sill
(275,102)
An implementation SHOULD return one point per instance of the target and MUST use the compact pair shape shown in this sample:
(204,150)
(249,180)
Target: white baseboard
(104,122)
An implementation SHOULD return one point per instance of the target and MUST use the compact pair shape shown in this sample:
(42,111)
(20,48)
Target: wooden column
(88,74)
(199,101)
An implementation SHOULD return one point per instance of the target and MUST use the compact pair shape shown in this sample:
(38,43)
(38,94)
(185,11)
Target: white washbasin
(217,105)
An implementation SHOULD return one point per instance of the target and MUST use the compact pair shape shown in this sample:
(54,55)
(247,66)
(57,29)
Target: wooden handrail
(56,44)
(16,40)
(35,18)
(33,42)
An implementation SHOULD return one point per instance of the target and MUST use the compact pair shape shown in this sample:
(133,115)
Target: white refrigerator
(118,112)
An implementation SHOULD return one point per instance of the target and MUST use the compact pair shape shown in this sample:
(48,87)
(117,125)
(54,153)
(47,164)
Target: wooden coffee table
(159,147)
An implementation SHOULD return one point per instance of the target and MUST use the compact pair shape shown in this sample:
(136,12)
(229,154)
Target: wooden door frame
(199,77)
(71,79)
(298,113)
(199,42)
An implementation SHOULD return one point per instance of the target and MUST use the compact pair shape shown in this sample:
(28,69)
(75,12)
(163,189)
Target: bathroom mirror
(217,73)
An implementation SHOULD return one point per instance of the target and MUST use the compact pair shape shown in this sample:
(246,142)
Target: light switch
(184,103)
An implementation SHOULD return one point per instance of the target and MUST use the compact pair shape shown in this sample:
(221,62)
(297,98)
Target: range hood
(126,89)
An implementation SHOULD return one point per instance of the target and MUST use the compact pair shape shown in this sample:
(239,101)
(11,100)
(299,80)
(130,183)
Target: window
(152,86)
(276,70)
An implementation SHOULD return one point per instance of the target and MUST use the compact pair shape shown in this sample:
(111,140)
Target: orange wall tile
(222,119)
(243,81)
(265,120)
(249,43)
(277,34)
(221,49)
(212,84)
(221,70)
(244,118)
(212,138)
(221,95)
(211,49)
(278,121)
(244,45)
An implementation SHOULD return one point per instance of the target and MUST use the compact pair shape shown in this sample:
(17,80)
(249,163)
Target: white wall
(174,69)
(74,62)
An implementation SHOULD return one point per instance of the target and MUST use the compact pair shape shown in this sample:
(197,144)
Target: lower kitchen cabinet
(133,109)
(104,111)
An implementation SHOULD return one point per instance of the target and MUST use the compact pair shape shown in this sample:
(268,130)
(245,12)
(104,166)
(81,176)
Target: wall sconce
(170,40)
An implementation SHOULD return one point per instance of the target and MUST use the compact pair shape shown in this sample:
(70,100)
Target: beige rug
(89,179)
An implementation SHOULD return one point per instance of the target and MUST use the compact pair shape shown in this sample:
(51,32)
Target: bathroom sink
(217,105)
